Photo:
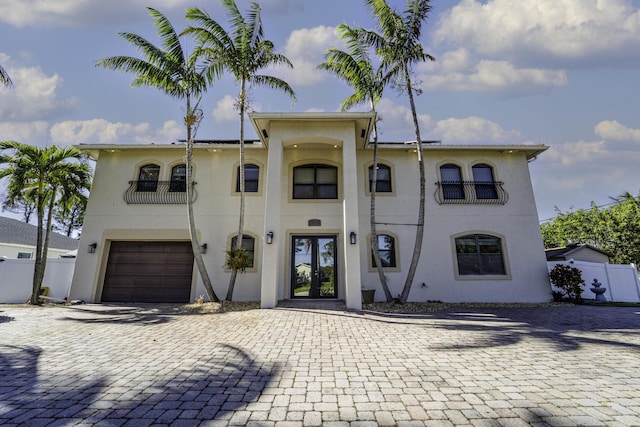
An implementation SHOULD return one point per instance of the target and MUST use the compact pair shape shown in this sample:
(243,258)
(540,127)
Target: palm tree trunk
(240,235)
(420,225)
(195,244)
(372,216)
(37,276)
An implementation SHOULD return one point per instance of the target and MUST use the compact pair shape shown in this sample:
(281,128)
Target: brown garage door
(148,272)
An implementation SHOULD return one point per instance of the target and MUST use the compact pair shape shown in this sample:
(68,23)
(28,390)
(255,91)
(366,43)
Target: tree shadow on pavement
(564,328)
(151,314)
(191,392)
(28,398)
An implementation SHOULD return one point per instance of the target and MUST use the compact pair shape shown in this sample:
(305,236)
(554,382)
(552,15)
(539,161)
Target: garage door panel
(148,272)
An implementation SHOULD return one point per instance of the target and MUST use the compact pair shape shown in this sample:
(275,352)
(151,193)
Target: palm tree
(5,80)
(399,48)
(355,68)
(50,175)
(169,69)
(242,52)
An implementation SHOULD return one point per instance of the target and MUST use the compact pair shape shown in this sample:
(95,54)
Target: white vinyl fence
(16,278)
(621,280)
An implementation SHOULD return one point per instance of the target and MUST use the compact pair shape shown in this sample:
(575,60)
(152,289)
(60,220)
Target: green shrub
(238,259)
(569,281)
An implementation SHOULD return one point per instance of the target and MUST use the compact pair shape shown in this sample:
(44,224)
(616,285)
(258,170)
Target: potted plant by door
(368,296)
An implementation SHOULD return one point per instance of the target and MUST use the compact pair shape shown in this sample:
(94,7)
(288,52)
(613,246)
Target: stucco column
(353,296)
(271,254)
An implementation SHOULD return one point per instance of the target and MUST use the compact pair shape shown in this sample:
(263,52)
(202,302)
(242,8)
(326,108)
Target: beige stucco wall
(516,222)
(109,218)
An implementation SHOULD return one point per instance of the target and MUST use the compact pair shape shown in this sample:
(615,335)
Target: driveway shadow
(143,314)
(564,328)
(225,382)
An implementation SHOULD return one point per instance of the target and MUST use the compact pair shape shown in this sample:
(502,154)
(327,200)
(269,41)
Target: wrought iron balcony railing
(470,193)
(158,193)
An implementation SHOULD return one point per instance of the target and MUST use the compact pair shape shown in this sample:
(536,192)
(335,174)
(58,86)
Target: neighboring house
(18,240)
(577,252)
(307,216)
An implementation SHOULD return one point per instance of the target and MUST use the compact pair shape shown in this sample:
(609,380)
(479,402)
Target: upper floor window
(249,244)
(315,182)
(484,182)
(251,178)
(383,179)
(148,178)
(452,186)
(178,181)
(387,251)
(479,254)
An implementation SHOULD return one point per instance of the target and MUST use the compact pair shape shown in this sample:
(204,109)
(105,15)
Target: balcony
(470,193)
(158,193)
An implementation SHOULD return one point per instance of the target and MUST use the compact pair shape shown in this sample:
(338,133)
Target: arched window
(251,178)
(387,251)
(315,182)
(248,243)
(451,178)
(178,181)
(484,182)
(148,178)
(479,254)
(383,179)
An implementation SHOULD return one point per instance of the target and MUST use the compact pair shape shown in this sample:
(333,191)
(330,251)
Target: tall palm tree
(355,68)
(169,69)
(50,175)
(399,48)
(5,80)
(243,52)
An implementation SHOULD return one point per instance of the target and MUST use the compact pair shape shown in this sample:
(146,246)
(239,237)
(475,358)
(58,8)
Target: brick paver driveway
(138,366)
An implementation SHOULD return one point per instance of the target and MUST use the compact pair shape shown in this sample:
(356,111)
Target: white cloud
(578,153)
(34,133)
(33,95)
(103,131)
(397,124)
(225,110)
(38,13)
(305,49)
(540,32)
(473,130)
(458,72)
(613,130)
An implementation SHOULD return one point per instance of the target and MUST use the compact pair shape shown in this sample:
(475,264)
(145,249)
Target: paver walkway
(142,365)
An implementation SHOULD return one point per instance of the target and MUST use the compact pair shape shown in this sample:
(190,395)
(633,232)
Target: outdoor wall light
(203,248)
(92,248)
(269,237)
(352,237)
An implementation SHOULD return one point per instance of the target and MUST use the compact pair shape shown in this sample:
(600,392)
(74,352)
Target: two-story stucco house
(307,218)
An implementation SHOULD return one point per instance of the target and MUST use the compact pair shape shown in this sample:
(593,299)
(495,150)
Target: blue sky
(564,73)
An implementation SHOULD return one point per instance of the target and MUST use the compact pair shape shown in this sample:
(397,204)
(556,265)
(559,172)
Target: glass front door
(313,272)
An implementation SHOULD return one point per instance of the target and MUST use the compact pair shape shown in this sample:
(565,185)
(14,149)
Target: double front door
(314,272)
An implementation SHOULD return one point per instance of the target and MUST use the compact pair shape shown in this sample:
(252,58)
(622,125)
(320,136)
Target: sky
(563,73)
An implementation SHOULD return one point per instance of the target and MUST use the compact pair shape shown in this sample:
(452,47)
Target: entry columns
(353,296)
(271,264)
